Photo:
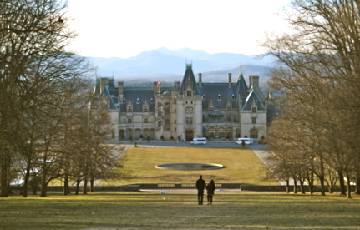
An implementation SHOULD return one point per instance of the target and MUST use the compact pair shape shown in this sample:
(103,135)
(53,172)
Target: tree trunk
(5,166)
(295,186)
(348,187)
(322,179)
(44,186)
(342,183)
(85,184)
(66,184)
(35,183)
(92,184)
(26,179)
(287,186)
(302,187)
(77,186)
(358,184)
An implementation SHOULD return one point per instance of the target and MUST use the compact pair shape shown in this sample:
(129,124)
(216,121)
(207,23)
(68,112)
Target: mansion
(218,111)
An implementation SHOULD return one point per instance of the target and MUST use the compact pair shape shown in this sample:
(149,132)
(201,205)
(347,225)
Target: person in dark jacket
(210,191)
(200,186)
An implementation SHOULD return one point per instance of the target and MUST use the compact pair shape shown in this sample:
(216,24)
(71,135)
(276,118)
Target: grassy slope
(171,211)
(242,165)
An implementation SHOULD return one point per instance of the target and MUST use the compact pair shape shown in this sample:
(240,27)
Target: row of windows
(188,120)
(219,97)
(167,109)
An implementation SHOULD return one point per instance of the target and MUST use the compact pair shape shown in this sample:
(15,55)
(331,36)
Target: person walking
(210,191)
(200,186)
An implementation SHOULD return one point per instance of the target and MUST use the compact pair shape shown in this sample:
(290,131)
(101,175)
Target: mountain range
(169,65)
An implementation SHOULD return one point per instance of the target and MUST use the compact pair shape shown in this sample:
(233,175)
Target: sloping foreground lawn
(242,165)
(141,210)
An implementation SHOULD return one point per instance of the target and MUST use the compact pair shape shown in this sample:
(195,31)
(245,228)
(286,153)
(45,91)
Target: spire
(188,83)
(241,73)
(241,87)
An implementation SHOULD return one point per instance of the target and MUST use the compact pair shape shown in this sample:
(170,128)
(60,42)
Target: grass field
(242,165)
(109,211)
(178,209)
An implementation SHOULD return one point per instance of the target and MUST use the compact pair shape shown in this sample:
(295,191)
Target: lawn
(242,165)
(143,210)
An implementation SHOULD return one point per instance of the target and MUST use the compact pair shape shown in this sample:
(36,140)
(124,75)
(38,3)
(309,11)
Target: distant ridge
(169,65)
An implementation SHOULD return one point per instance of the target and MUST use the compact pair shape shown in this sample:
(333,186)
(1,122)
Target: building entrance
(189,135)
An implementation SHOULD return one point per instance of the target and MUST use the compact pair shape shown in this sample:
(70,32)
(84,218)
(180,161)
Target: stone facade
(218,111)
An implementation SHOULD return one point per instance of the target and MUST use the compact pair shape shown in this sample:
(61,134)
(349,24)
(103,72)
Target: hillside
(169,65)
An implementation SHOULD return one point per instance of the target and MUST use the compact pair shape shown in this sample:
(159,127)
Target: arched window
(188,110)
(254,133)
(238,132)
(221,132)
(212,132)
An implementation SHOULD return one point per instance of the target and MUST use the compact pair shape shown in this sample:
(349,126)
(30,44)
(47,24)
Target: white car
(198,141)
(247,141)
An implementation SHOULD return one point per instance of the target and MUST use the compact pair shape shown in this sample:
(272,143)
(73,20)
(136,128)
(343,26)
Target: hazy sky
(124,28)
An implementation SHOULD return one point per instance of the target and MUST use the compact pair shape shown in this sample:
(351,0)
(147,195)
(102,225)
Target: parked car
(198,141)
(247,141)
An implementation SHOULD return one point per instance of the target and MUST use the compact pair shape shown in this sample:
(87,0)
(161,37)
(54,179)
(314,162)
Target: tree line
(50,125)
(316,136)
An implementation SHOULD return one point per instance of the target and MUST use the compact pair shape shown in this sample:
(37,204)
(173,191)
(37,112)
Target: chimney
(156,87)
(200,80)
(229,82)
(103,81)
(121,91)
(254,81)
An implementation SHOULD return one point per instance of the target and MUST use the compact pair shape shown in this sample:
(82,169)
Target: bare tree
(37,76)
(321,56)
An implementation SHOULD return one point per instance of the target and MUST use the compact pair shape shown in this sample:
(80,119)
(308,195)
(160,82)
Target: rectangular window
(189,120)
(129,120)
(188,93)
(253,120)
(146,120)
(253,109)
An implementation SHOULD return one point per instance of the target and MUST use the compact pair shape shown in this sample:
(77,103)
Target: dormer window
(188,93)
(204,98)
(219,97)
(233,97)
(137,100)
(253,106)
(151,100)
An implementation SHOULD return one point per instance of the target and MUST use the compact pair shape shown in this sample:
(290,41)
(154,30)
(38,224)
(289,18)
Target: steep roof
(219,93)
(113,100)
(137,96)
(189,81)
(241,87)
(253,97)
